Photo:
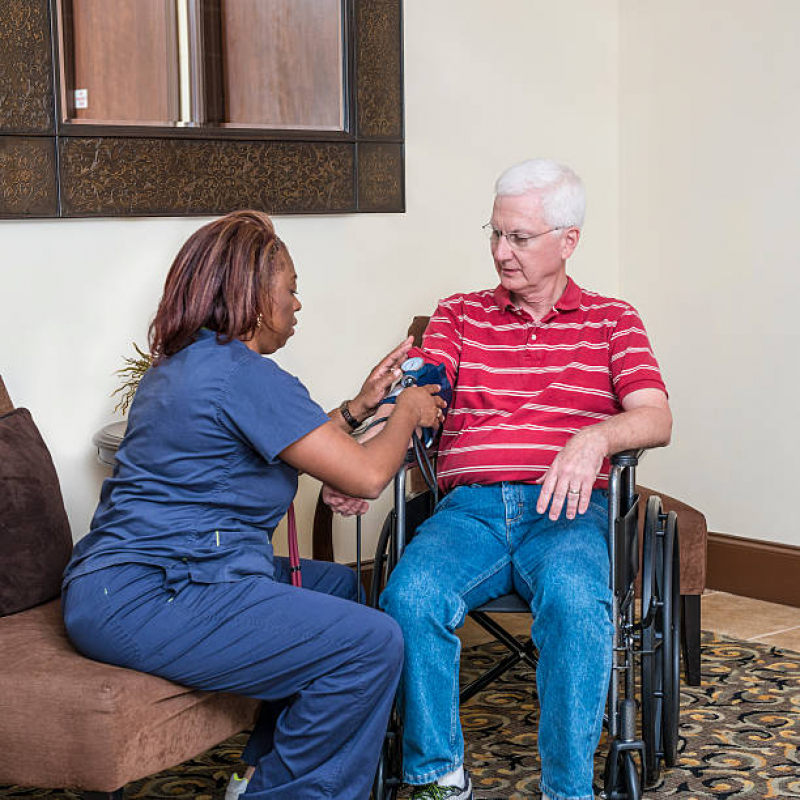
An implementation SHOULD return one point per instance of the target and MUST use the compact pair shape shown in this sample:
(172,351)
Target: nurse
(177,576)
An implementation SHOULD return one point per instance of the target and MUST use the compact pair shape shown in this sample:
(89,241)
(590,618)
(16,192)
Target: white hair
(561,190)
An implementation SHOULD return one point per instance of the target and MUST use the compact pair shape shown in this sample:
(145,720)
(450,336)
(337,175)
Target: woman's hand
(379,381)
(342,503)
(424,402)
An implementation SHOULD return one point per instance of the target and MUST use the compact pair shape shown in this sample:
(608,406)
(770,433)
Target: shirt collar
(569,301)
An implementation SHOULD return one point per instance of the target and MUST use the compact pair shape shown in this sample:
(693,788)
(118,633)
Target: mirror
(275,64)
(199,107)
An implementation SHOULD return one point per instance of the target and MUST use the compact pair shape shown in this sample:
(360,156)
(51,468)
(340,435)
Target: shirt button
(533,336)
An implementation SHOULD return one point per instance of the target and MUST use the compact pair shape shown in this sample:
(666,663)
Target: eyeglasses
(517,241)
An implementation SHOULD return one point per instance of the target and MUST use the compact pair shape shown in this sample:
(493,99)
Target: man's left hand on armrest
(646,421)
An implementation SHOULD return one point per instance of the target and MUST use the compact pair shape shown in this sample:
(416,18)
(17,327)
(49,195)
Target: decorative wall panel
(28,169)
(26,67)
(380,177)
(119,176)
(54,168)
(379,66)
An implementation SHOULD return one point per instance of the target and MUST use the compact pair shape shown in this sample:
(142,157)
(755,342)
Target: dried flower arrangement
(132,372)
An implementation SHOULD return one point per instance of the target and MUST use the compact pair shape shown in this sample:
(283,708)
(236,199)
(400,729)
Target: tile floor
(728,614)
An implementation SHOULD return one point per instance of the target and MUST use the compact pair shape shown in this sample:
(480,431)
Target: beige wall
(682,119)
(487,84)
(709,182)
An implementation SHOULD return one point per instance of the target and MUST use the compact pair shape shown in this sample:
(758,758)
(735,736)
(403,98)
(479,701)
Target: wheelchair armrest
(627,458)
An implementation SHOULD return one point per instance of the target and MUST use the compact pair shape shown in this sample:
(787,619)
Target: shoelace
(431,792)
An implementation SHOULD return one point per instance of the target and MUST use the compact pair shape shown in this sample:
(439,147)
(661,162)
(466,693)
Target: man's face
(526,269)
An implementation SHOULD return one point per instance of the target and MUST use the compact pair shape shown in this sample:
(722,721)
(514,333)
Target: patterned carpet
(740,735)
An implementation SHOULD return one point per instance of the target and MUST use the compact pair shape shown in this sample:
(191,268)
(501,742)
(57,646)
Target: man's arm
(646,421)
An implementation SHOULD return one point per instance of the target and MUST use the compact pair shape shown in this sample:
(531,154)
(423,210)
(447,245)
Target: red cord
(294,552)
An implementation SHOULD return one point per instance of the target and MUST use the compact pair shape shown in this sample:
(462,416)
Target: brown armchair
(65,720)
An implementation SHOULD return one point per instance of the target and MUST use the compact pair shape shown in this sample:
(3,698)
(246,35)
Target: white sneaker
(432,791)
(236,787)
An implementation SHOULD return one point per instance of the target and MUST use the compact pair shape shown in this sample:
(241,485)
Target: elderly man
(549,380)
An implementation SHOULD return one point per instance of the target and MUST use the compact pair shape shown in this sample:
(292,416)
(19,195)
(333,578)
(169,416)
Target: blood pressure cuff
(417,372)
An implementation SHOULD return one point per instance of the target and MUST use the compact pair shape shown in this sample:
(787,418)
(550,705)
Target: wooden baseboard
(752,568)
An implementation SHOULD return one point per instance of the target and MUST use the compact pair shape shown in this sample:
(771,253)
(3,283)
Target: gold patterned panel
(379,69)
(28,167)
(380,177)
(120,176)
(26,80)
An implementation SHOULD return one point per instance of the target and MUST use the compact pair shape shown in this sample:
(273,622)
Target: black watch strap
(348,417)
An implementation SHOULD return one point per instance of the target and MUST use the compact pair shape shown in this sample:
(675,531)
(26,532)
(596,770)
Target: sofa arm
(693,537)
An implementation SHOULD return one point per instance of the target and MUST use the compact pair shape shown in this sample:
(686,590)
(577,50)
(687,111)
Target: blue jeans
(325,667)
(483,542)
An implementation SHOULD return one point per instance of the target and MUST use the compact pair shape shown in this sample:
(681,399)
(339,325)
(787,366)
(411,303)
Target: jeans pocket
(449,498)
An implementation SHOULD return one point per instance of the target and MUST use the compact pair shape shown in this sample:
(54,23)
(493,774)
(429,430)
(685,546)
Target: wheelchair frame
(649,643)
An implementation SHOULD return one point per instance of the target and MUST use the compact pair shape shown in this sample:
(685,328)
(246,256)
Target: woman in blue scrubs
(177,576)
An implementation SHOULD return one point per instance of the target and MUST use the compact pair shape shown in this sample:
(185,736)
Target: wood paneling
(292,75)
(752,568)
(124,53)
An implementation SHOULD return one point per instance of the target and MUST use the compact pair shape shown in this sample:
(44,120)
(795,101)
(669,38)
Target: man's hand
(572,474)
(645,421)
(379,381)
(342,503)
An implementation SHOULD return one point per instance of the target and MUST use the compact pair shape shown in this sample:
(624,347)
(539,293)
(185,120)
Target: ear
(569,242)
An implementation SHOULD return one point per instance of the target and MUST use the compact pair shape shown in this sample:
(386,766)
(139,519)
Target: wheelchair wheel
(389,772)
(622,779)
(652,688)
(670,649)
(384,559)
(631,773)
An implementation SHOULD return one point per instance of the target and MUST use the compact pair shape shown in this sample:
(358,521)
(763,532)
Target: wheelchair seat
(507,604)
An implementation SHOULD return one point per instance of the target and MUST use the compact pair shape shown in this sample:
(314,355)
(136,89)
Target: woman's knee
(381,644)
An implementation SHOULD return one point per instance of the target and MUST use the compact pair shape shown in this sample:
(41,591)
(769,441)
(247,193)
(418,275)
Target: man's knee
(576,603)
(414,599)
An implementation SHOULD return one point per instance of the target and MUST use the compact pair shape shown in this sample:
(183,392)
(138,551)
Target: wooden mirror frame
(50,168)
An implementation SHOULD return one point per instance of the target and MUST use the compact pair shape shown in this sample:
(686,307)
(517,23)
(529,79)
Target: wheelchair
(642,732)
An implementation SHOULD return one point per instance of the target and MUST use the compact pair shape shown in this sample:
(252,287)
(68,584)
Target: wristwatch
(348,417)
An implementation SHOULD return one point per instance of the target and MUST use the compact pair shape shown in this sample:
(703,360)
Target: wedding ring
(574,491)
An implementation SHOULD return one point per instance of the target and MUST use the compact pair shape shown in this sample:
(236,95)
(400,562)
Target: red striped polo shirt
(521,388)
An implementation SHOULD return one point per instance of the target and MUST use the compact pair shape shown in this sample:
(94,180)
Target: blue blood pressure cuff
(416,372)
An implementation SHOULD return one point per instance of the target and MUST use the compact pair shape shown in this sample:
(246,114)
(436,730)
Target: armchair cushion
(66,720)
(35,538)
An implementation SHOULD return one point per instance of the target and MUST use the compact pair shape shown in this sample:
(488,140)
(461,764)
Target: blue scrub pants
(325,667)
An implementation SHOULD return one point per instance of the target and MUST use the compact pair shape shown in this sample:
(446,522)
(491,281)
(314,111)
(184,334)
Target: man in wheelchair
(549,379)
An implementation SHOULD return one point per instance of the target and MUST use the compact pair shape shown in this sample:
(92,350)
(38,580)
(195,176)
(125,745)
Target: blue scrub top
(198,487)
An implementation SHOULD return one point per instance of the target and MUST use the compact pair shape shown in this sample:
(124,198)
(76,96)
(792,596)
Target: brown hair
(219,280)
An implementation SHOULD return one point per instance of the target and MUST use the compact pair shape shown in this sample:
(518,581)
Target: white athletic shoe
(236,787)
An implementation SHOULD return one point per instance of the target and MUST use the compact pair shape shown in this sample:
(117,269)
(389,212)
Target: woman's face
(279,318)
